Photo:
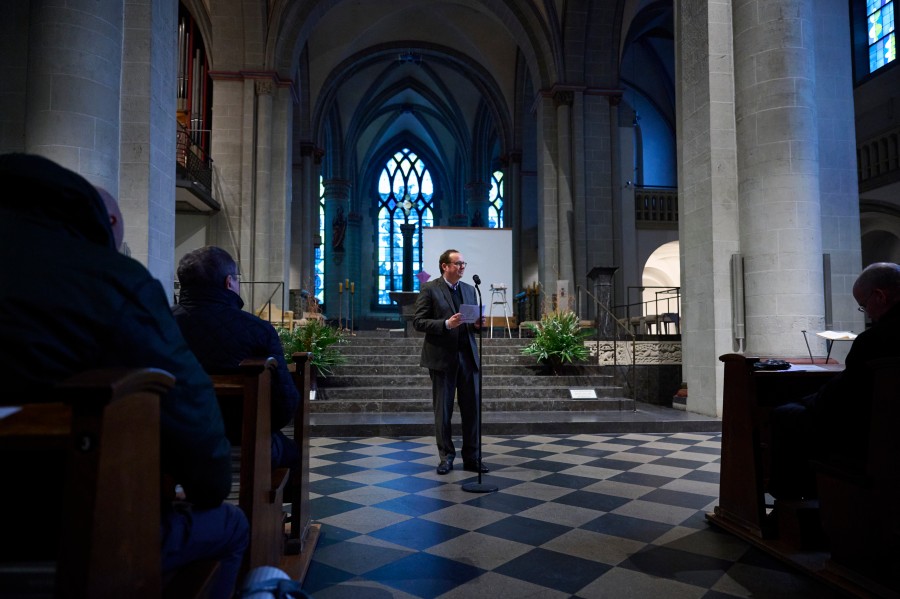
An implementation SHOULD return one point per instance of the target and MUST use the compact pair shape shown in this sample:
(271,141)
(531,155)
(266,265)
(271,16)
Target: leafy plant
(558,339)
(317,337)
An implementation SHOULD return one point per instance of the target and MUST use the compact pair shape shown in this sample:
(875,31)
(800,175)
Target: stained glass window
(405,194)
(319,265)
(882,38)
(495,212)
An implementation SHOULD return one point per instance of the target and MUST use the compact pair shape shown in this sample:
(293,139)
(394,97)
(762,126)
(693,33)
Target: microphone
(477,279)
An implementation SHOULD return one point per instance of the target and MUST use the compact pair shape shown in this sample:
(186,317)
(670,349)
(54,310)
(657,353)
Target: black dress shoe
(475,467)
(445,466)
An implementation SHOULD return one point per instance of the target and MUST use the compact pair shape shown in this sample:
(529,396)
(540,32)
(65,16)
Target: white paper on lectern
(837,335)
(469,312)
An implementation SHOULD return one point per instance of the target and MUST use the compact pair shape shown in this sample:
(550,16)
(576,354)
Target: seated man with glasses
(221,335)
(833,424)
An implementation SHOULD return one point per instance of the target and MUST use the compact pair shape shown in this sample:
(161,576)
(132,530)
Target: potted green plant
(317,337)
(558,340)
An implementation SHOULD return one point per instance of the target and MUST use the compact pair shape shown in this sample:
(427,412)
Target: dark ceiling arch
(296,20)
(447,57)
(380,104)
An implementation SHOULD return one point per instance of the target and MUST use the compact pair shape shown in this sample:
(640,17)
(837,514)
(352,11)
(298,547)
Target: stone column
(74,80)
(839,190)
(512,213)
(564,183)
(548,217)
(407,230)
(778,172)
(261,241)
(707,192)
(304,219)
(477,204)
(337,210)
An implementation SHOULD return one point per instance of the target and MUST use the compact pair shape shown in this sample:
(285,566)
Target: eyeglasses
(236,276)
(461,264)
(862,306)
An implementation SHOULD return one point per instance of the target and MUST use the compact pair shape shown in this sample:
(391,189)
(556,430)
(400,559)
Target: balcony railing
(656,207)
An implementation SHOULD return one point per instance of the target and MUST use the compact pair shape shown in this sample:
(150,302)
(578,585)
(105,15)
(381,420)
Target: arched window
(495,212)
(882,38)
(405,193)
(319,265)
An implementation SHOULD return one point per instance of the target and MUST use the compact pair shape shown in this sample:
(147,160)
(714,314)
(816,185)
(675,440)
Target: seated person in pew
(221,334)
(71,302)
(833,423)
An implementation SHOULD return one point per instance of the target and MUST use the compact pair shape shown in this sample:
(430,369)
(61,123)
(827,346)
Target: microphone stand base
(479,487)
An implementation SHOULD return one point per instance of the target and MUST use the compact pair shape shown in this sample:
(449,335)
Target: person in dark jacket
(221,335)
(833,424)
(71,302)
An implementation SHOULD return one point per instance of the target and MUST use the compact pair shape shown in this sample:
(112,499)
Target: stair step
(394,405)
(644,419)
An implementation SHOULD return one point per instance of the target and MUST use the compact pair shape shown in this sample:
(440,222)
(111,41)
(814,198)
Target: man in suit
(451,357)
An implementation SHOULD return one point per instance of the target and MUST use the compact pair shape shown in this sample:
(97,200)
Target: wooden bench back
(105,423)
(261,488)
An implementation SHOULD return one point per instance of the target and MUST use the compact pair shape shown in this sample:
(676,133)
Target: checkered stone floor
(584,516)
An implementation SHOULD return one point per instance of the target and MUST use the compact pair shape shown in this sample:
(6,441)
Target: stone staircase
(382,391)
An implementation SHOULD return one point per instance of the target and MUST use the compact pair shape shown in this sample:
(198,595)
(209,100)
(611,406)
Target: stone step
(644,418)
(490,369)
(394,405)
(392,380)
(413,360)
(406,349)
(423,392)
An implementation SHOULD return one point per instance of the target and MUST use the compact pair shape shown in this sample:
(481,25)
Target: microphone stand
(479,487)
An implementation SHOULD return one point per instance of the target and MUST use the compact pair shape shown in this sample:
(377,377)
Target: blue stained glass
(873,5)
(404,177)
(319,260)
(882,39)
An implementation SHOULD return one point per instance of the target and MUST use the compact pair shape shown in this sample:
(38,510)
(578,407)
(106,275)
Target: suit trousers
(460,380)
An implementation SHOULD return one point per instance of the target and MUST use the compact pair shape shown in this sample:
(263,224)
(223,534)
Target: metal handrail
(624,326)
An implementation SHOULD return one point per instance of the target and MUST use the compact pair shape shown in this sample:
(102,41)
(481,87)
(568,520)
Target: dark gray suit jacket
(433,307)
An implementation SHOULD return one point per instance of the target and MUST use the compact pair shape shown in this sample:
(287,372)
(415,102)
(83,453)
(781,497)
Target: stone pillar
(477,204)
(305,219)
(407,230)
(778,172)
(147,148)
(565,212)
(337,210)
(548,217)
(14,66)
(838,190)
(74,80)
(512,213)
(707,192)
(261,241)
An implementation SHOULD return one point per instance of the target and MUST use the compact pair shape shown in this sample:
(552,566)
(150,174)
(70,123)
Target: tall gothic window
(405,194)
(319,265)
(495,211)
(882,38)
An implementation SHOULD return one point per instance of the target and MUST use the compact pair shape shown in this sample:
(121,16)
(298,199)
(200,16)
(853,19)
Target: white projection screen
(487,251)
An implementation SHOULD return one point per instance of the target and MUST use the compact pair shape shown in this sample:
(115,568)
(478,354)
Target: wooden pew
(852,521)
(749,395)
(303,534)
(859,505)
(261,487)
(104,426)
